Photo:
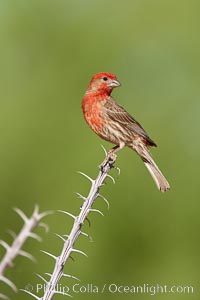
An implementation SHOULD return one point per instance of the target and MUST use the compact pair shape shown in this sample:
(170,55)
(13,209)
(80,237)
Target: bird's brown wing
(118,114)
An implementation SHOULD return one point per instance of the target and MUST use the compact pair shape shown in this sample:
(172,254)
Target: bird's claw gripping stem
(109,160)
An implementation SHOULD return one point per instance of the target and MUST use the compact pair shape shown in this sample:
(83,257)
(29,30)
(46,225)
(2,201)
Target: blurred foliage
(49,51)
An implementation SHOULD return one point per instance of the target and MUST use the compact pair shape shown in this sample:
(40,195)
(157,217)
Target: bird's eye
(105,78)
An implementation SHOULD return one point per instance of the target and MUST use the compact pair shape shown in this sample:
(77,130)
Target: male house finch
(113,123)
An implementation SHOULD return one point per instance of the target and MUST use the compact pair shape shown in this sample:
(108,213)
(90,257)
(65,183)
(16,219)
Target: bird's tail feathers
(158,177)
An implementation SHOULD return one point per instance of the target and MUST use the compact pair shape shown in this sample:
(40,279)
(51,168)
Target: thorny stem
(19,240)
(76,228)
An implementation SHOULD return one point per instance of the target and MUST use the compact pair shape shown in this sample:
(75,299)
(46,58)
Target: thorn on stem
(109,176)
(88,221)
(44,225)
(106,201)
(21,214)
(12,233)
(104,149)
(9,283)
(79,251)
(86,176)
(49,254)
(87,235)
(72,258)
(27,255)
(80,196)
(118,170)
(4,245)
(96,210)
(60,236)
(41,277)
(71,276)
(4,297)
(33,295)
(67,213)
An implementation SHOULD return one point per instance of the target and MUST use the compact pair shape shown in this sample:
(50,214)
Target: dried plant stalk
(16,248)
(68,247)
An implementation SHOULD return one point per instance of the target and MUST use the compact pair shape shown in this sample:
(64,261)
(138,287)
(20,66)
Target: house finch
(113,123)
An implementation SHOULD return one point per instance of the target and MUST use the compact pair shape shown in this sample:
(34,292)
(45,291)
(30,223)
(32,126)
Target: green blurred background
(49,51)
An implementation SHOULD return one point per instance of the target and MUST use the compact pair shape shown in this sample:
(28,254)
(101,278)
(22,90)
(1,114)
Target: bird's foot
(109,160)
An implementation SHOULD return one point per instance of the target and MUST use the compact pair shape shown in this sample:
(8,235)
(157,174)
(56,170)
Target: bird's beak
(114,83)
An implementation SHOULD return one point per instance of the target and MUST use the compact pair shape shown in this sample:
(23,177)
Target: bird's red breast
(92,106)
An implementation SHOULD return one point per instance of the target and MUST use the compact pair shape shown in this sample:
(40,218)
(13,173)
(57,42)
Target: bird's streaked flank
(113,123)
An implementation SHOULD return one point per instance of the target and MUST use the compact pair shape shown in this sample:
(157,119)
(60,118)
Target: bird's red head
(103,83)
